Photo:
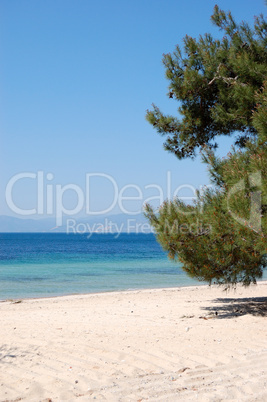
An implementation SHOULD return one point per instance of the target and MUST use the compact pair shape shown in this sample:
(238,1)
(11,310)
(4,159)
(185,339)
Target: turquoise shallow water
(44,264)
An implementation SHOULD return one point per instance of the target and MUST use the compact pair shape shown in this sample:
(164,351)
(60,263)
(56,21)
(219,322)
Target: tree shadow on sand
(236,307)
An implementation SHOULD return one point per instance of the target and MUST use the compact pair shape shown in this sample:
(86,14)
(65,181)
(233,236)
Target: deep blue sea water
(46,264)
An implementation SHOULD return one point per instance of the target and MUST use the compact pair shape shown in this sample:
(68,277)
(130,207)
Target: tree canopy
(222,87)
(216,82)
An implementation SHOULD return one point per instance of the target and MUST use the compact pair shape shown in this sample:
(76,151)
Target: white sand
(155,345)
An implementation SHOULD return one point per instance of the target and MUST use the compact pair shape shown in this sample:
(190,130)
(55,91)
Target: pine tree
(216,82)
(223,89)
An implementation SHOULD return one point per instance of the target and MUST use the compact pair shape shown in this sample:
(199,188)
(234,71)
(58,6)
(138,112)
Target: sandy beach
(194,343)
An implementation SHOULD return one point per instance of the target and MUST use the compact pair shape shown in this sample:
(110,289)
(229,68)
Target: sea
(34,265)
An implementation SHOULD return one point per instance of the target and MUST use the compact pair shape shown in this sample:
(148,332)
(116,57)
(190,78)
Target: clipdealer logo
(254,221)
(50,196)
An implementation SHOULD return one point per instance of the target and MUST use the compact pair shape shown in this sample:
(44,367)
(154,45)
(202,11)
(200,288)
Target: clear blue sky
(76,79)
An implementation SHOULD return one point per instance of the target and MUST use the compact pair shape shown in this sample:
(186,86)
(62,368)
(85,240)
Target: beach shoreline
(213,286)
(14,299)
(164,344)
